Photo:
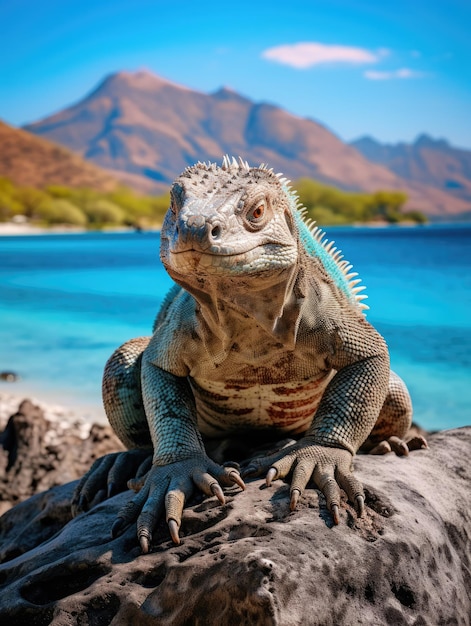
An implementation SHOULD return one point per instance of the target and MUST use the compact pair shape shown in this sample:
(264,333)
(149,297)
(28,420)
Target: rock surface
(40,449)
(407,561)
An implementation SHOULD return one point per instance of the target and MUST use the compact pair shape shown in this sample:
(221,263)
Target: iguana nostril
(216,232)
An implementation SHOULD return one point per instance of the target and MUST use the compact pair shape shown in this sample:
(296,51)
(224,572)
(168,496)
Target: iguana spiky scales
(264,332)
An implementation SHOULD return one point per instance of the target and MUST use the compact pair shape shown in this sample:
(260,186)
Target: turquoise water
(67,301)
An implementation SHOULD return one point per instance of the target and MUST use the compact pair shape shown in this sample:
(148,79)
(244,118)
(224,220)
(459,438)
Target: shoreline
(10,229)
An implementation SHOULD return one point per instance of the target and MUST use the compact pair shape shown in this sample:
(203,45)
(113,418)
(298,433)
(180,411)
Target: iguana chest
(238,404)
(256,383)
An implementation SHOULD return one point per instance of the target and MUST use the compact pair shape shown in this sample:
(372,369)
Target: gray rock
(39,451)
(407,561)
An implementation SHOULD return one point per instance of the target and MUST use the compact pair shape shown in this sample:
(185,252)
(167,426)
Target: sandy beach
(13,229)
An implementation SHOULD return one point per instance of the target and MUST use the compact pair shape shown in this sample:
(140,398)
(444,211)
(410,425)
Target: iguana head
(236,235)
(228,221)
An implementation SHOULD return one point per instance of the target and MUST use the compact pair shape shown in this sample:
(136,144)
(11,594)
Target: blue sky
(391,69)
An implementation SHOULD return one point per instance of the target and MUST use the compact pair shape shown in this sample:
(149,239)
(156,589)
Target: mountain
(429,161)
(35,162)
(146,130)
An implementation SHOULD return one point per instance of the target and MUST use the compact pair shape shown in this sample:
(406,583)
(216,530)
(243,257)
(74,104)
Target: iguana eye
(256,214)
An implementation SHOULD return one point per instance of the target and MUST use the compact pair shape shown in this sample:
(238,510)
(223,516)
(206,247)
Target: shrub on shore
(60,211)
(332,206)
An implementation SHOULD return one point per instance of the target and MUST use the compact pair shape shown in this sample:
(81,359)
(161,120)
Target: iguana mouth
(213,254)
(265,259)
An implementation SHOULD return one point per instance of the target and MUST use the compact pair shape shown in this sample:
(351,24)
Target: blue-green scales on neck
(312,238)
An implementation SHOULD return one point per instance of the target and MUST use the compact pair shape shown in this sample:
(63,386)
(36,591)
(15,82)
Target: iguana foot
(330,468)
(108,476)
(164,491)
(401,447)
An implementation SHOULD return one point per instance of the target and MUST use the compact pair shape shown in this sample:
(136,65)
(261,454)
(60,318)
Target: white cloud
(404,72)
(307,54)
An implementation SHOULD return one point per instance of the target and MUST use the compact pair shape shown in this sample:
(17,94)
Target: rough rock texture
(251,561)
(39,451)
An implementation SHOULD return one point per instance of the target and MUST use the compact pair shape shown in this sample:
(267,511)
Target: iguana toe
(117,527)
(94,482)
(399,446)
(136,484)
(383,447)
(417,443)
(107,477)
(127,465)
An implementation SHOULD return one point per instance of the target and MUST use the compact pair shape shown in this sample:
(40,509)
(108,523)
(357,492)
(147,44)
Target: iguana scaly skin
(264,331)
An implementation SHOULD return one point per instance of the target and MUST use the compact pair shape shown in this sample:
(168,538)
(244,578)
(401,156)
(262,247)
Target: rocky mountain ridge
(31,161)
(146,130)
(428,161)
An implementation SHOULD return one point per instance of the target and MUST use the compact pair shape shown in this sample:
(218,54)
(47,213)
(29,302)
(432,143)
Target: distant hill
(429,161)
(146,130)
(31,161)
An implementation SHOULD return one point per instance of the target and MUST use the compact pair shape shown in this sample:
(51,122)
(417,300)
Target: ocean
(67,301)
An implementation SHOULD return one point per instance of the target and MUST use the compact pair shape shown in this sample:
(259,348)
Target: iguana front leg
(345,416)
(180,462)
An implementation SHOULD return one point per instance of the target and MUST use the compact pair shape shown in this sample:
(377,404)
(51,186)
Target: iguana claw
(173,528)
(237,479)
(271,476)
(144,542)
(360,505)
(295,494)
(218,492)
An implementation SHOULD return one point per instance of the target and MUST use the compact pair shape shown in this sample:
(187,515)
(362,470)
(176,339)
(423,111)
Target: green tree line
(87,208)
(331,206)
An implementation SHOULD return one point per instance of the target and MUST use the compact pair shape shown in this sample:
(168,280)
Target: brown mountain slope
(150,129)
(429,161)
(31,161)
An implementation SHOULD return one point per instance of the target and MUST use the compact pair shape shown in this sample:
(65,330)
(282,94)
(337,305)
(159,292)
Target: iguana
(264,333)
